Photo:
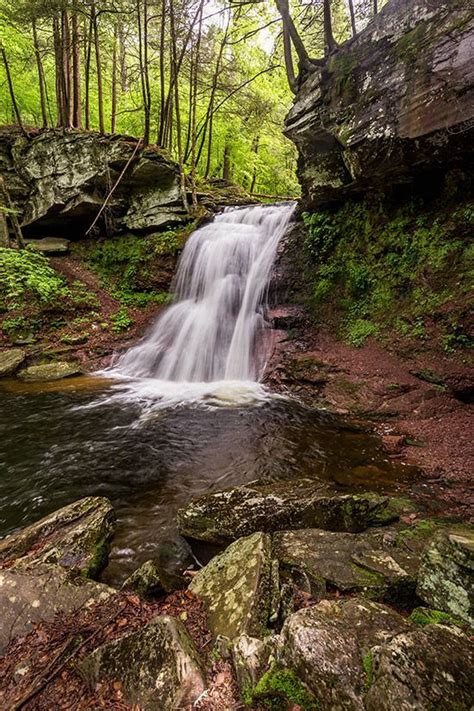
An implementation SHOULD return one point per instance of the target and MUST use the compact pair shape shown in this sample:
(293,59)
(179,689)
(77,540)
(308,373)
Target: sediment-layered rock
(395,100)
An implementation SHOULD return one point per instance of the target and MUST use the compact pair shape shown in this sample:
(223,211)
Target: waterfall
(215,328)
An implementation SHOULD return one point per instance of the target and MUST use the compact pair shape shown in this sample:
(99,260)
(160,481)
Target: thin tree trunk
(226,163)
(329,42)
(161,121)
(142,22)
(16,110)
(290,70)
(61,120)
(194,113)
(113,112)
(87,78)
(352,15)
(67,74)
(255,145)
(11,214)
(100,88)
(300,49)
(179,142)
(76,69)
(41,79)
(376,8)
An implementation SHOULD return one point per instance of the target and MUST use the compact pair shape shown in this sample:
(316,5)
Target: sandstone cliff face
(59,181)
(390,103)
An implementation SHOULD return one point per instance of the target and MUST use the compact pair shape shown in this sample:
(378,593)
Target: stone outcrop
(226,515)
(10,361)
(388,104)
(157,666)
(76,537)
(59,181)
(49,372)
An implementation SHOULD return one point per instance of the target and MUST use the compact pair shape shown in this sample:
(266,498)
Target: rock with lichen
(156,666)
(145,580)
(76,537)
(226,515)
(49,372)
(236,588)
(10,361)
(446,576)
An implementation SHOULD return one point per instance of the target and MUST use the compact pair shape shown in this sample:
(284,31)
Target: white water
(210,344)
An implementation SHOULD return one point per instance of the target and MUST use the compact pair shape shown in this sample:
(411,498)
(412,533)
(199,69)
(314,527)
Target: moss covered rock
(367,563)
(49,371)
(10,361)
(227,515)
(157,666)
(236,587)
(446,576)
(145,580)
(76,537)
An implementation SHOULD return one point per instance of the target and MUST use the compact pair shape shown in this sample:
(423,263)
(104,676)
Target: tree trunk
(11,90)
(161,120)
(290,70)
(288,23)
(352,15)
(142,22)
(255,145)
(41,79)
(61,119)
(76,69)
(67,75)
(329,42)
(87,78)
(179,141)
(11,214)
(100,89)
(113,110)
(194,112)
(376,7)
(226,163)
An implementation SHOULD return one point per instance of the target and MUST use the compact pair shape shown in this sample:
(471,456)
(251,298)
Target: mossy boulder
(367,563)
(157,666)
(236,588)
(145,580)
(40,594)
(49,372)
(425,668)
(10,361)
(226,515)
(76,537)
(326,645)
(446,576)
(251,658)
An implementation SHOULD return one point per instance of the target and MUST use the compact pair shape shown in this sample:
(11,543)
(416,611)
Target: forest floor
(418,403)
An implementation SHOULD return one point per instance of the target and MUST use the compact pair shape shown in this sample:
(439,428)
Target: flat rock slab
(236,587)
(29,597)
(50,246)
(157,666)
(48,372)
(76,537)
(227,515)
(446,576)
(369,563)
(10,361)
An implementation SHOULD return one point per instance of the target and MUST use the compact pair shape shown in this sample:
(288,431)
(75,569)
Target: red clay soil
(423,423)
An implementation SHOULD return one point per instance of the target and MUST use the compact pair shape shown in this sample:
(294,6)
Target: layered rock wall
(396,100)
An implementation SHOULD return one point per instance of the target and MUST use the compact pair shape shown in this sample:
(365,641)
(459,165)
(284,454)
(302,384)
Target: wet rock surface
(229,514)
(10,361)
(76,537)
(48,372)
(145,580)
(236,587)
(157,666)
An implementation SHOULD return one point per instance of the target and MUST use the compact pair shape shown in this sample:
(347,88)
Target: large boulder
(157,666)
(326,645)
(29,596)
(446,576)
(145,580)
(395,100)
(10,361)
(424,668)
(226,515)
(368,563)
(49,372)
(59,181)
(236,588)
(77,537)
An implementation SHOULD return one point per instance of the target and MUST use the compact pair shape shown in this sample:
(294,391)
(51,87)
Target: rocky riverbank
(323,600)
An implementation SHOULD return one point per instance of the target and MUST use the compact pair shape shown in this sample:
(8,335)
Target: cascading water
(214,331)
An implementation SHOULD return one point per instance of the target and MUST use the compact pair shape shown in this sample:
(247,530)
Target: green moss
(285,684)
(99,558)
(368,664)
(417,535)
(425,616)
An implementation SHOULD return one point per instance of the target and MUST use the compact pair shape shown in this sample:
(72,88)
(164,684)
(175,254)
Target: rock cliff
(392,102)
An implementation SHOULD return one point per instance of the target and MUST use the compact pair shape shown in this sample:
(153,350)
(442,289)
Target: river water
(183,412)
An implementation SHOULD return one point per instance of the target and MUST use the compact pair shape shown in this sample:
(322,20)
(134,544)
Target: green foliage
(27,274)
(285,684)
(382,267)
(424,616)
(368,664)
(121,320)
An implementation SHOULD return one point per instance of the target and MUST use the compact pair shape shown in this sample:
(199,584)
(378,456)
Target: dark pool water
(54,449)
